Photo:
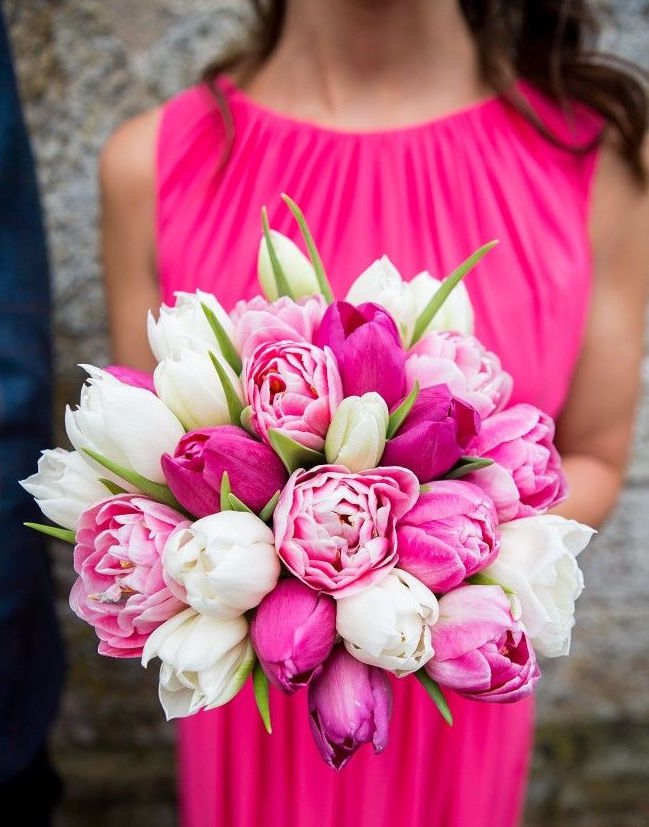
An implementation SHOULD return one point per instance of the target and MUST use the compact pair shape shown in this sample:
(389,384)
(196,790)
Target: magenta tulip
(195,471)
(131,376)
(349,705)
(293,632)
(526,477)
(481,651)
(434,435)
(450,534)
(367,347)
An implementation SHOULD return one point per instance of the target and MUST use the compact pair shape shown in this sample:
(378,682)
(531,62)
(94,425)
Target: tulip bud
(356,436)
(297,268)
(293,632)
(185,325)
(226,563)
(455,314)
(205,661)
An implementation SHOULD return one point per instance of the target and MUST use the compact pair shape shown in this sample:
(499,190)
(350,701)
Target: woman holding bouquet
(420,130)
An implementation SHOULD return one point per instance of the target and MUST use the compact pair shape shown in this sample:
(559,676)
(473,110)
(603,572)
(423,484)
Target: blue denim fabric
(31,658)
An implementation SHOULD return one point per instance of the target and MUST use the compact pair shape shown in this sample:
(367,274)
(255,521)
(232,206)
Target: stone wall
(86,65)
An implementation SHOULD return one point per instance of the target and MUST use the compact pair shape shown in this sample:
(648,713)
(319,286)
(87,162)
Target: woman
(420,130)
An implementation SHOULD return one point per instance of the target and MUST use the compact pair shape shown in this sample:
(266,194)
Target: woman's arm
(127,182)
(595,429)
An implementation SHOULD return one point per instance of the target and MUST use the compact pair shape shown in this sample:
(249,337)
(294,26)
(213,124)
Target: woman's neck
(363,64)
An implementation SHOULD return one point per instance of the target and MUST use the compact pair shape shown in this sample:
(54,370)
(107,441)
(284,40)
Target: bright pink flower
(194,472)
(293,632)
(336,530)
(472,372)
(258,322)
(450,534)
(480,650)
(349,705)
(526,477)
(293,387)
(131,376)
(120,589)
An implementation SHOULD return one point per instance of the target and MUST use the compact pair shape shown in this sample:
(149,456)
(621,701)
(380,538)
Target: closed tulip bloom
(297,268)
(225,563)
(195,470)
(455,314)
(349,705)
(128,425)
(205,661)
(450,534)
(259,322)
(356,436)
(481,650)
(64,486)
(293,632)
(389,624)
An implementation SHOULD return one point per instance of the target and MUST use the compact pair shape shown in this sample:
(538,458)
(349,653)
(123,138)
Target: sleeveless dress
(427,196)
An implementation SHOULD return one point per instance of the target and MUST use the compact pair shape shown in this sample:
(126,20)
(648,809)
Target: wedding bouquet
(318,493)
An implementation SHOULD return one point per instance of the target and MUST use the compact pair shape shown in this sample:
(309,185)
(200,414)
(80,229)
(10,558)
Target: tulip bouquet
(318,493)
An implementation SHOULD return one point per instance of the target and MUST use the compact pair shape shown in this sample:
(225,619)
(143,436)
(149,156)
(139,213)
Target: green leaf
(225,492)
(398,416)
(292,454)
(156,490)
(238,505)
(435,693)
(314,255)
(283,287)
(245,421)
(231,396)
(113,487)
(260,685)
(466,465)
(482,579)
(267,511)
(228,349)
(54,531)
(446,288)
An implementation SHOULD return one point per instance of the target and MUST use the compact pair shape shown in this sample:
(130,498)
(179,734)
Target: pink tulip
(336,530)
(480,650)
(259,322)
(349,705)
(434,435)
(526,477)
(367,347)
(450,534)
(194,472)
(471,372)
(293,387)
(121,589)
(293,632)
(131,376)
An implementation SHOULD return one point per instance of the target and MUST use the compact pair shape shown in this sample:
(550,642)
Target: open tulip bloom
(319,493)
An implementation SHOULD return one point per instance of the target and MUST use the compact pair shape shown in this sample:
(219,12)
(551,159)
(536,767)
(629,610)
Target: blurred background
(83,67)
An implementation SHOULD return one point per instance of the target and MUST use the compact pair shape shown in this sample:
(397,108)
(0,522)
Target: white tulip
(382,284)
(128,425)
(185,325)
(356,435)
(226,563)
(64,486)
(189,385)
(537,560)
(455,314)
(297,268)
(388,624)
(205,661)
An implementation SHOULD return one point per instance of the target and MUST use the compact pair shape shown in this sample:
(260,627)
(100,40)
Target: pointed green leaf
(292,454)
(466,465)
(482,579)
(113,487)
(283,287)
(156,490)
(54,531)
(428,313)
(267,511)
(314,255)
(260,685)
(245,421)
(432,687)
(225,492)
(231,396)
(228,349)
(238,505)
(398,416)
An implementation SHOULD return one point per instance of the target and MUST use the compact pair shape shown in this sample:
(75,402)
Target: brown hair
(550,43)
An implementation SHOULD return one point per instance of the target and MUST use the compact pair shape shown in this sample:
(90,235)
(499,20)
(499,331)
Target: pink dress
(427,196)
